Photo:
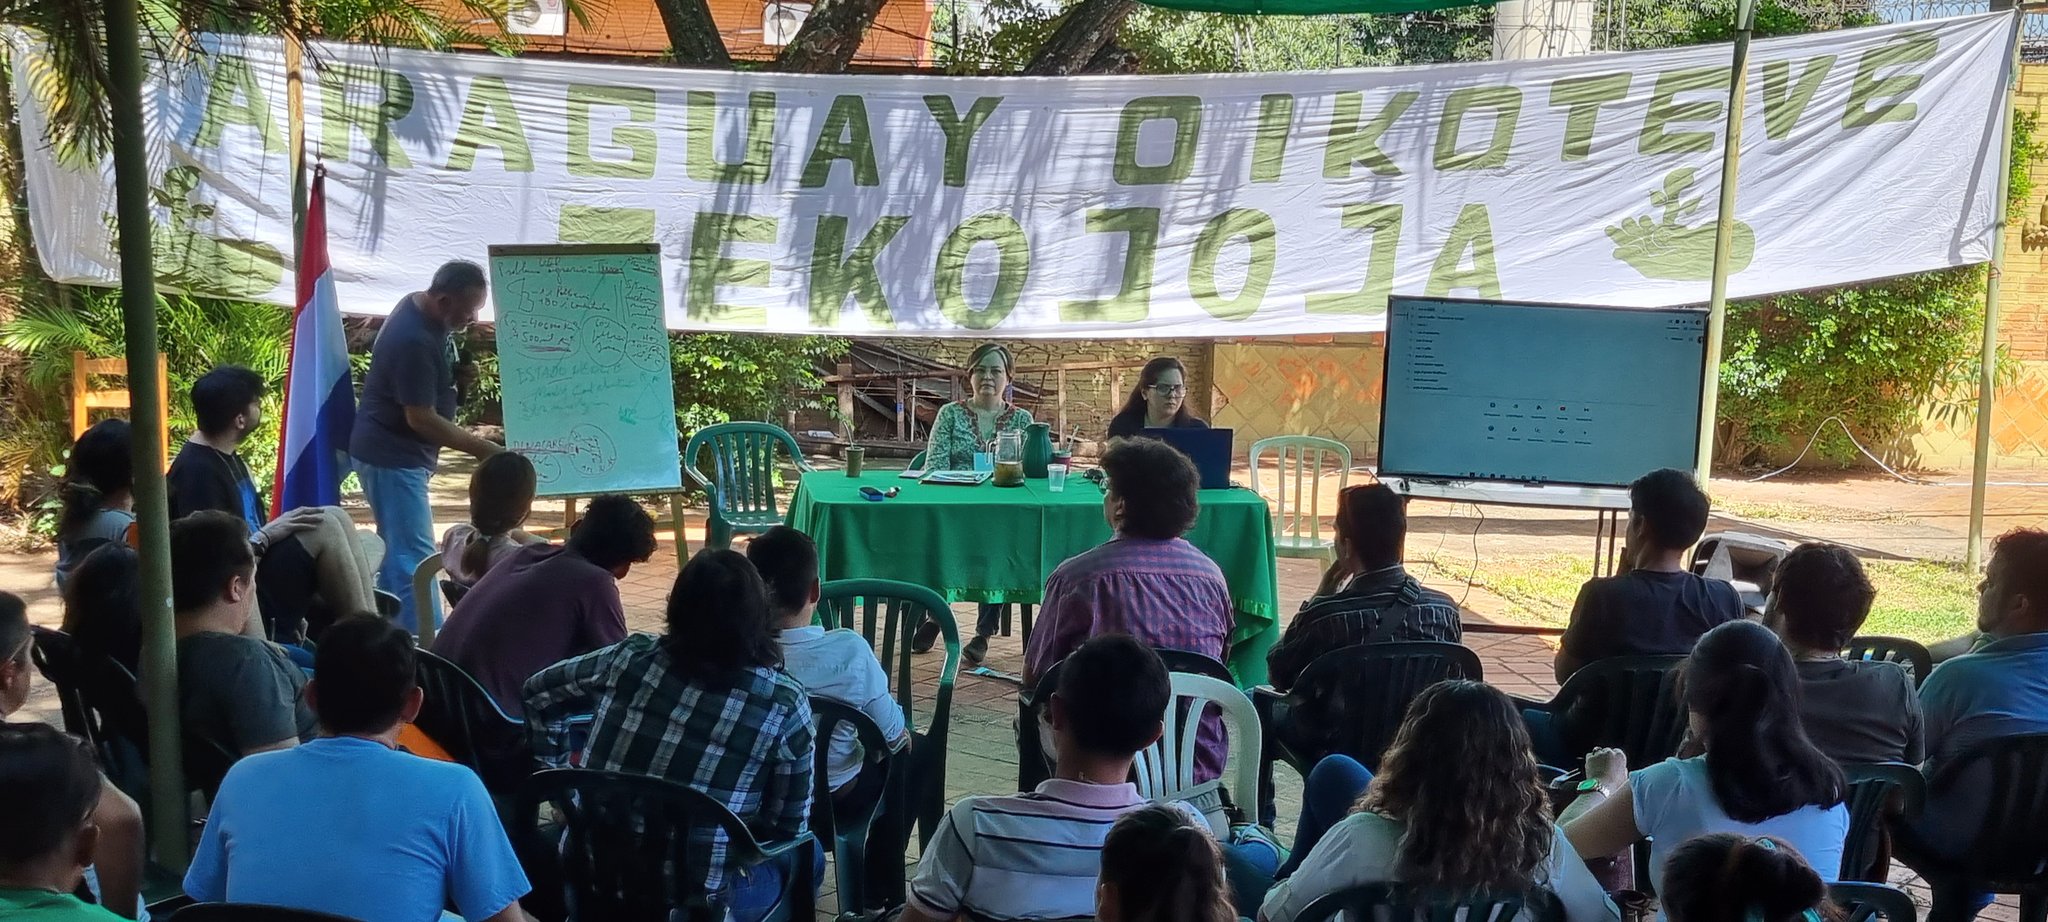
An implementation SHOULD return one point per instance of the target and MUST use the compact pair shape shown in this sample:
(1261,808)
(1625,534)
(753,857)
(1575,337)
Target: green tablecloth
(995,544)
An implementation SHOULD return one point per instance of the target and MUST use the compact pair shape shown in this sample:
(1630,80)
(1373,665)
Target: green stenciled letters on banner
(1665,109)
(1917,48)
(604,224)
(235,98)
(700,122)
(710,267)
(1256,227)
(1786,100)
(1383,222)
(1474,232)
(834,277)
(343,110)
(636,135)
(490,119)
(1013,269)
(844,136)
(1133,299)
(959,130)
(1276,123)
(1352,143)
(1582,97)
(1186,113)
(1506,103)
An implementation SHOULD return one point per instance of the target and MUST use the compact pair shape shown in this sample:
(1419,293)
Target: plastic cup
(1056,478)
(984,461)
(856,458)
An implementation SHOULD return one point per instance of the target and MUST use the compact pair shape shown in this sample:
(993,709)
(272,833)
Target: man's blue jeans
(752,892)
(405,520)
(1326,798)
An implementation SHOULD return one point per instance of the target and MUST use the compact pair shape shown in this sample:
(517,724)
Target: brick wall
(1093,396)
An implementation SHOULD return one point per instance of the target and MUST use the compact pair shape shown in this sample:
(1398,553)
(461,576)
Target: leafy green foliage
(722,377)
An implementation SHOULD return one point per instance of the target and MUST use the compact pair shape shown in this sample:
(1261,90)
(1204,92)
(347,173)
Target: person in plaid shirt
(706,704)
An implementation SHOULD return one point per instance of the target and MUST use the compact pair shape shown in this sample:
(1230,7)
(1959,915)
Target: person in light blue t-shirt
(349,824)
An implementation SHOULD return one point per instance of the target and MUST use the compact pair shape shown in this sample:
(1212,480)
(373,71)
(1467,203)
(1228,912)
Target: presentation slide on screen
(1479,390)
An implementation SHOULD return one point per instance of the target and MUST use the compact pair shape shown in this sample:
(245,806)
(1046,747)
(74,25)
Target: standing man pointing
(406,416)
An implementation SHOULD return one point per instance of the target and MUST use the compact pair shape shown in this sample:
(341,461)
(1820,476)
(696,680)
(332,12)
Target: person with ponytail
(1727,877)
(1759,776)
(1159,866)
(1160,401)
(500,498)
(99,505)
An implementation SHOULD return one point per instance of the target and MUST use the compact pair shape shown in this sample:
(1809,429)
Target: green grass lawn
(1919,600)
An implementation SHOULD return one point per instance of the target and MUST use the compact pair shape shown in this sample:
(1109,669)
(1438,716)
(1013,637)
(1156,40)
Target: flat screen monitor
(1539,393)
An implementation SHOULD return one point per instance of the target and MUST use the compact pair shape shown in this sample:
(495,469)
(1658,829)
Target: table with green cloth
(987,543)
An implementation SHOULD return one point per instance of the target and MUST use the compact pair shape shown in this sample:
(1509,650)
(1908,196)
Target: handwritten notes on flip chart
(584,364)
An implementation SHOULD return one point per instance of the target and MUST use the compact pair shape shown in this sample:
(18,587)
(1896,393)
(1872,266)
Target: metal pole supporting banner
(1987,359)
(1724,232)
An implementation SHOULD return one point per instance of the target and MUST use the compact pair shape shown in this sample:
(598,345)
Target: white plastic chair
(426,603)
(1298,528)
(1166,771)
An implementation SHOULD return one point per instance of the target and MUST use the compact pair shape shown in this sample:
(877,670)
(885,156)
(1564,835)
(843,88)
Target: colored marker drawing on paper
(587,449)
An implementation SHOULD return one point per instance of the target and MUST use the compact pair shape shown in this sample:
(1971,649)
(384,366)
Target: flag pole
(1987,360)
(1724,232)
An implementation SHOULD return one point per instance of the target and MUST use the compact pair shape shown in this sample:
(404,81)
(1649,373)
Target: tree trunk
(693,34)
(829,37)
(1082,34)
(1112,59)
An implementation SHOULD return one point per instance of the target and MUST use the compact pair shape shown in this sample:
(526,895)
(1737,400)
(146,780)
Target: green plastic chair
(887,613)
(742,482)
(1299,460)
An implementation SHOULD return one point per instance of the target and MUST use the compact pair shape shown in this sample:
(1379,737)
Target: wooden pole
(1987,358)
(1724,232)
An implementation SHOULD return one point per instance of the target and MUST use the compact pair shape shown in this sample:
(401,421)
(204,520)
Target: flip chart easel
(583,358)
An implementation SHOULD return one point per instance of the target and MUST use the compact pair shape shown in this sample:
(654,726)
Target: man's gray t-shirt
(1860,710)
(241,692)
(412,364)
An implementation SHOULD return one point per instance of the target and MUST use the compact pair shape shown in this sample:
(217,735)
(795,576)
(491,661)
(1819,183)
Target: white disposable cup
(1056,478)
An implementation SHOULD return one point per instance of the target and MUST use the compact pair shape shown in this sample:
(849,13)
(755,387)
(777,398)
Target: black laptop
(1208,448)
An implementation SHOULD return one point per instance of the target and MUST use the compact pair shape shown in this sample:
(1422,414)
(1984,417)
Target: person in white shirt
(1458,806)
(837,665)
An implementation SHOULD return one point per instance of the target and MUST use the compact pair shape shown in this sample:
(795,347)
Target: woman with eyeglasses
(963,429)
(1159,402)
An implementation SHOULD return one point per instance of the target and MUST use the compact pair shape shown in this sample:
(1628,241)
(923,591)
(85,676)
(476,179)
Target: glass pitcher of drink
(1010,459)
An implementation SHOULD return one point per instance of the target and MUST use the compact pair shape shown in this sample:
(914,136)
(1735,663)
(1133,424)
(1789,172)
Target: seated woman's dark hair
(1727,877)
(1158,866)
(1158,485)
(52,783)
(1461,778)
(1741,684)
(103,604)
(500,498)
(718,622)
(100,466)
(613,532)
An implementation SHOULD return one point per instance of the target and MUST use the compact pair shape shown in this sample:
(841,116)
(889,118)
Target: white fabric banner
(1224,205)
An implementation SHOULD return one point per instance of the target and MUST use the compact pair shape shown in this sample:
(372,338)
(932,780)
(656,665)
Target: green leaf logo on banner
(1667,248)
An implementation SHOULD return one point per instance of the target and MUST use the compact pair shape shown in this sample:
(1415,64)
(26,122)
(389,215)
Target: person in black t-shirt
(1656,606)
(1159,402)
(314,561)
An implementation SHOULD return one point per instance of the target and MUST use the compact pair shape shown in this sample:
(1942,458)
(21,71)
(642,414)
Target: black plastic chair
(464,719)
(1879,794)
(1907,653)
(1404,903)
(841,821)
(2009,854)
(1034,764)
(101,704)
(887,613)
(1866,902)
(251,912)
(1630,703)
(619,846)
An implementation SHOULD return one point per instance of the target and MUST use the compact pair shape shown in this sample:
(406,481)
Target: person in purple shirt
(545,604)
(1147,582)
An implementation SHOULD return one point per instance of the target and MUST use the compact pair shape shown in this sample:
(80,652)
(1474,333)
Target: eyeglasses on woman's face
(1170,390)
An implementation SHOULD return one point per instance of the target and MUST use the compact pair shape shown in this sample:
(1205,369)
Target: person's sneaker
(927,635)
(975,651)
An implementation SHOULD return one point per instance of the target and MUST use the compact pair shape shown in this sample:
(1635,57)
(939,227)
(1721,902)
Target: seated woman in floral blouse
(961,429)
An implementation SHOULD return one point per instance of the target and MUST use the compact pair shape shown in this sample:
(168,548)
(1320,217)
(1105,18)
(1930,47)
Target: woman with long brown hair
(1159,866)
(1458,806)
(501,495)
(1160,401)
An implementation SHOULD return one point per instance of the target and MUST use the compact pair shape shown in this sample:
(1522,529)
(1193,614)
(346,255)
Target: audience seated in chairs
(116,863)
(1727,877)
(49,832)
(1657,606)
(103,605)
(2000,689)
(234,687)
(1853,711)
(1759,774)
(348,824)
(1147,582)
(97,494)
(500,500)
(1159,865)
(308,553)
(836,664)
(1459,805)
(545,604)
(706,704)
(1366,596)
